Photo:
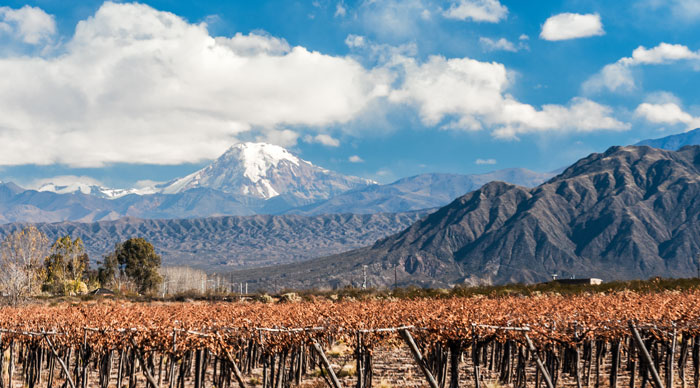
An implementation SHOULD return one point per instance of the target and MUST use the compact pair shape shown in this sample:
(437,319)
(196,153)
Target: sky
(127,94)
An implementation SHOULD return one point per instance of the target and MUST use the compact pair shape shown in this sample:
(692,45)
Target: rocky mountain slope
(418,192)
(231,243)
(674,142)
(630,212)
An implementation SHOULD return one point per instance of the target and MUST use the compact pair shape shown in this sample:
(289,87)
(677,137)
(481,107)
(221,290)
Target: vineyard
(620,339)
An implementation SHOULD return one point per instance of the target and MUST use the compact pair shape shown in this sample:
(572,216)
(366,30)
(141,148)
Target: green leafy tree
(65,267)
(136,261)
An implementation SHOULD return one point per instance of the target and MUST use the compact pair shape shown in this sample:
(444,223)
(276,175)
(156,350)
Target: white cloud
(571,26)
(523,37)
(355,41)
(284,137)
(663,53)
(491,11)
(324,139)
(618,76)
(486,161)
(500,44)
(340,10)
(254,44)
(30,24)
(137,85)
(614,77)
(464,93)
(355,159)
(667,113)
(393,19)
(684,10)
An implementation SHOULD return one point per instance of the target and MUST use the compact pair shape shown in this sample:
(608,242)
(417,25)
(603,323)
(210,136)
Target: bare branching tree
(182,279)
(22,256)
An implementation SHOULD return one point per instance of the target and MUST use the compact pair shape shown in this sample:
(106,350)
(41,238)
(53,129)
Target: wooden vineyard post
(647,357)
(418,357)
(475,358)
(171,381)
(60,361)
(359,364)
(671,357)
(540,365)
(683,359)
(144,365)
(229,357)
(327,364)
(455,354)
(578,366)
(615,362)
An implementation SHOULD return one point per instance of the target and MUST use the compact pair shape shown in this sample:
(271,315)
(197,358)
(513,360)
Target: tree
(66,266)
(21,257)
(136,260)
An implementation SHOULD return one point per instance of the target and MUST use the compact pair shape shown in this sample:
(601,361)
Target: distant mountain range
(627,213)
(674,142)
(231,243)
(248,179)
(423,191)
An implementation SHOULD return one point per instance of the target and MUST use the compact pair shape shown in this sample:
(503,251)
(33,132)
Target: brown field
(581,340)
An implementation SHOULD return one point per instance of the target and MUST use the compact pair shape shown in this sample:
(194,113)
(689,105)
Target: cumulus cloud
(137,85)
(355,159)
(29,24)
(324,139)
(491,11)
(495,45)
(486,161)
(663,53)
(571,26)
(464,93)
(618,76)
(667,113)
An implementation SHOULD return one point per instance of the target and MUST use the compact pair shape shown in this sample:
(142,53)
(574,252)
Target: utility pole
(396,281)
(364,276)
(697,263)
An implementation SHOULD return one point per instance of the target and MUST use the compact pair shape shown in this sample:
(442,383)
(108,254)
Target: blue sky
(127,92)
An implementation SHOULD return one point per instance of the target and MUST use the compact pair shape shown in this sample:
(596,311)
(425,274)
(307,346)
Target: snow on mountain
(89,188)
(265,171)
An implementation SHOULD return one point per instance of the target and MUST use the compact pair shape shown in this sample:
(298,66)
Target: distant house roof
(591,281)
(102,291)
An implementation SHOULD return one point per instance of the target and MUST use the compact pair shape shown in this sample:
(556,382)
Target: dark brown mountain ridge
(630,212)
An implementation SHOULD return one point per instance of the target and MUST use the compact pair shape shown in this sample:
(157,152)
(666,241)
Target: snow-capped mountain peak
(264,171)
(90,188)
(258,158)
